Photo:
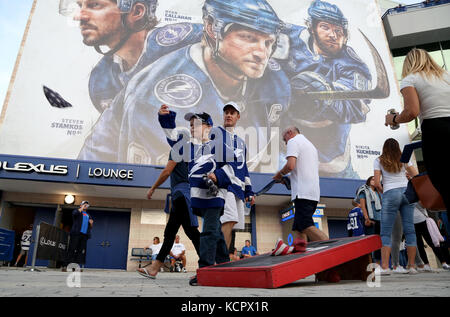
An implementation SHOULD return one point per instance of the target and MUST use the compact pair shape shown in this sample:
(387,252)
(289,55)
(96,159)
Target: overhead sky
(13,18)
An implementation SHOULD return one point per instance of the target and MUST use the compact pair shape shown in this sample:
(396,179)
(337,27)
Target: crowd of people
(381,206)
(403,250)
(425,88)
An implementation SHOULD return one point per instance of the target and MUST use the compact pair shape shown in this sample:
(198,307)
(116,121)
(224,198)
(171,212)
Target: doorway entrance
(108,246)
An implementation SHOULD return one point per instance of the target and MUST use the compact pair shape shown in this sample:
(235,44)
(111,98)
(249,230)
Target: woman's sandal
(145,273)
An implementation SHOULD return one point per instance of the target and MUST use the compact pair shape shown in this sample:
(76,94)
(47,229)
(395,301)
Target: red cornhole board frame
(267,271)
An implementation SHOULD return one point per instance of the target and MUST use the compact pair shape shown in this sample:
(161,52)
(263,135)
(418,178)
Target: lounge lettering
(110,173)
(34,168)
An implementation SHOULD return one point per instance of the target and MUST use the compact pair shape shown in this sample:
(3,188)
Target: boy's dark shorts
(304,210)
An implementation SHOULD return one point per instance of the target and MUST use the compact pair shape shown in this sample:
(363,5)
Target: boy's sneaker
(425,268)
(445,266)
(184,270)
(400,270)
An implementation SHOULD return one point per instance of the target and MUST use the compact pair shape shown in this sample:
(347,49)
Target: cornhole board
(348,256)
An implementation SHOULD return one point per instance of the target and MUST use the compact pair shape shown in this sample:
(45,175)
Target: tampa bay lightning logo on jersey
(180,91)
(200,163)
(173,33)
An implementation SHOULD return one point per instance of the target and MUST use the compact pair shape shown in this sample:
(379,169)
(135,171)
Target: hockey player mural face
(328,38)
(100,22)
(248,50)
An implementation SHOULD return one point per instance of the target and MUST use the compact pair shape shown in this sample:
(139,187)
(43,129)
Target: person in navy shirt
(79,234)
(355,222)
(248,250)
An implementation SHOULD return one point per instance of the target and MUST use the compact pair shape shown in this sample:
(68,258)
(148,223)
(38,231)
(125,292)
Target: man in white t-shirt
(178,253)
(25,245)
(155,247)
(303,164)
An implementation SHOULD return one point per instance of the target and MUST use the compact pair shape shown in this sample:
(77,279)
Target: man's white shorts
(233,211)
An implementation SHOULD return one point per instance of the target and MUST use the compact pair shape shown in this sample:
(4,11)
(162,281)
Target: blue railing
(420,5)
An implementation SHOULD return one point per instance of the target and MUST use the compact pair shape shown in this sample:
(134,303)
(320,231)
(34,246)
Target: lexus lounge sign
(39,168)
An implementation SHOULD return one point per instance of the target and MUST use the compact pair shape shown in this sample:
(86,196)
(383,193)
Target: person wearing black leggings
(180,213)
(420,225)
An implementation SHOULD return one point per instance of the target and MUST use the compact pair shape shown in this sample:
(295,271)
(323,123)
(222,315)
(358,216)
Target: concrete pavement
(15,282)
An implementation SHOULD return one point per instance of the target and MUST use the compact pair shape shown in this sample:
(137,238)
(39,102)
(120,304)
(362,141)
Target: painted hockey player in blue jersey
(109,76)
(128,28)
(319,59)
(232,62)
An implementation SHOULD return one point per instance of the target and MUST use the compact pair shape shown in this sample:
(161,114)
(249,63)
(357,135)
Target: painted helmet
(126,5)
(325,11)
(255,14)
(69,7)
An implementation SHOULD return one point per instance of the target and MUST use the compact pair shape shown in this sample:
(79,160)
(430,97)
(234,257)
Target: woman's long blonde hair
(390,157)
(419,61)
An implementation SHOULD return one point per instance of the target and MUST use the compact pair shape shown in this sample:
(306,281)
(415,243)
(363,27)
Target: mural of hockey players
(232,62)
(319,60)
(128,29)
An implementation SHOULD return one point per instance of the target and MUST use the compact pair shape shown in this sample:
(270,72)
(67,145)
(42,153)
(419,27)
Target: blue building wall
(130,175)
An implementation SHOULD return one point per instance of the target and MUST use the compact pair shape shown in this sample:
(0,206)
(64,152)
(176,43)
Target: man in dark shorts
(303,164)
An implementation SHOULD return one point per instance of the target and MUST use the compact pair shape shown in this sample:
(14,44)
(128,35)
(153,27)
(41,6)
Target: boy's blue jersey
(107,78)
(203,159)
(326,123)
(355,222)
(181,81)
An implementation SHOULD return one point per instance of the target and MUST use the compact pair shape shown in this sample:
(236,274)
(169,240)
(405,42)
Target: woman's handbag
(429,197)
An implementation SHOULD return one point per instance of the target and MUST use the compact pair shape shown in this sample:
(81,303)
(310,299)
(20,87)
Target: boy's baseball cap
(232,104)
(206,118)
(84,202)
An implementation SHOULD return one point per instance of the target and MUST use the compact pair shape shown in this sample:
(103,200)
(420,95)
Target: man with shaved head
(303,164)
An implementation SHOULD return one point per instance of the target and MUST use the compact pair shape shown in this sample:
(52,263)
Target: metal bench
(141,255)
